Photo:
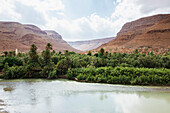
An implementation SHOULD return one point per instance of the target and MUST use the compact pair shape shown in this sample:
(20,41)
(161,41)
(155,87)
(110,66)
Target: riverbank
(119,87)
(121,75)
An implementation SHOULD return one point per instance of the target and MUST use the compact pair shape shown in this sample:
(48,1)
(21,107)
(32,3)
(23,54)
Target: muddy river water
(64,96)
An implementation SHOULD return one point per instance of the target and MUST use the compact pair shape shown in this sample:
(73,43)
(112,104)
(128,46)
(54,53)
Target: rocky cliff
(149,32)
(14,35)
(89,44)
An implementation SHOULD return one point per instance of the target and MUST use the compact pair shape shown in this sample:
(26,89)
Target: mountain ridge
(14,35)
(147,32)
(89,44)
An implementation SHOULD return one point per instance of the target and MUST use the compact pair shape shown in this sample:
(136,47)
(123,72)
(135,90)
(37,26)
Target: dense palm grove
(104,67)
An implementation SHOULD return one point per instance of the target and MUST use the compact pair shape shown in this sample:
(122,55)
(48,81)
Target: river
(64,96)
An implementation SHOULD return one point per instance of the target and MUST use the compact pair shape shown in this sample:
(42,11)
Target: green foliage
(48,66)
(53,52)
(96,54)
(102,51)
(89,53)
(49,46)
(136,51)
(49,71)
(106,54)
(47,56)
(63,65)
(1,64)
(19,54)
(116,68)
(6,53)
(32,70)
(33,53)
(13,72)
(59,52)
(12,61)
(32,66)
(55,59)
(122,75)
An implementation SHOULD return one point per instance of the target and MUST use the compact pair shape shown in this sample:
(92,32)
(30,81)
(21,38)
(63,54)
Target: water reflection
(71,97)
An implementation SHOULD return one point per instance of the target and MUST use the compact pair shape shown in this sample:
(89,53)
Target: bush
(14,72)
(63,65)
(55,59)
(122,75)
(12,61)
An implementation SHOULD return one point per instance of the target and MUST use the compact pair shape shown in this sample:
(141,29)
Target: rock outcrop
(149,32)
(14,35)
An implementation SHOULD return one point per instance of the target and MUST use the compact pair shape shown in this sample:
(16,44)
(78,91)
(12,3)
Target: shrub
(14,72)
(122,75)
(12,61)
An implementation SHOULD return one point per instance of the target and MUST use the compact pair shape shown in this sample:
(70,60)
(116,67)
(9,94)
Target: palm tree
(33,52)
(49,46)
(102,51)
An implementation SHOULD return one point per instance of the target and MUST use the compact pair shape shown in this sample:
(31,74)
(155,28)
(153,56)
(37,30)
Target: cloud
(7,11)
(134,9)
(84,28)
(45,5)
(129,10)
(52,14)
(29,14)
(95,26)
(157,6)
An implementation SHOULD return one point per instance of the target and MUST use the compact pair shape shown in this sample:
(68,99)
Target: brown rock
(14,35)
(149,32)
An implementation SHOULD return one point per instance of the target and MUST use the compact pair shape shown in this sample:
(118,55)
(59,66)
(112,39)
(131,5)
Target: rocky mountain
(89,44)
(14,35)
(146,34)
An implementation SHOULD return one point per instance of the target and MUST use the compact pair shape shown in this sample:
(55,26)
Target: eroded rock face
(141,24)
(14,35)
(153,31)
(53,34)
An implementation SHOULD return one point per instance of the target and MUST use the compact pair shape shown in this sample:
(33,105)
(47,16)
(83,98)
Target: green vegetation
(121,75)
(103,67)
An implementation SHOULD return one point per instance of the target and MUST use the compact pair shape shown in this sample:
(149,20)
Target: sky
(81,19)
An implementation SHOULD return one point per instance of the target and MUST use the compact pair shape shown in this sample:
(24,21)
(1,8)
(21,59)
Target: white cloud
(118,1)
(7,8)
(154,6)
(129,10)
(46,5)
(83,28)
(51,14)
(133,9)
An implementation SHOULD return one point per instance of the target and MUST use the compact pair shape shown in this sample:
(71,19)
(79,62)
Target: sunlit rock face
(14,35)
(148,32)
(53,34)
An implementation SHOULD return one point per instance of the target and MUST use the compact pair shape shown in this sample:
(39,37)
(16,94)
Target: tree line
(102,66)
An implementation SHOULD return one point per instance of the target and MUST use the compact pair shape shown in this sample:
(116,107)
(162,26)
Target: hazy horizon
(78,20)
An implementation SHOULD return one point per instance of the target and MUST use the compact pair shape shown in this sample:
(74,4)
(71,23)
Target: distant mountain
(89,44)
(14,35)
(148,32)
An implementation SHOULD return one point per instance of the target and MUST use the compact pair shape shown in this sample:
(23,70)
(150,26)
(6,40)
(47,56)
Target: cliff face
(53,34)
(14,35)
(152,32)
(141,24)
(89,44)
